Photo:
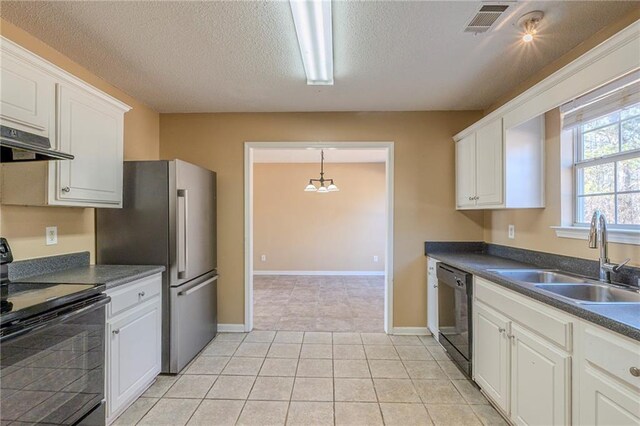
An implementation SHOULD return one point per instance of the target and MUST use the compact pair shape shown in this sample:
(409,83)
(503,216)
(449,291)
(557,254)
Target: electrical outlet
(375,259)
(51,235)
(263,258)
(512,232)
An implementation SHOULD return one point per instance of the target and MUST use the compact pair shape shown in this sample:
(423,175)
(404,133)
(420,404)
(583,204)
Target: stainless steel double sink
(578,289)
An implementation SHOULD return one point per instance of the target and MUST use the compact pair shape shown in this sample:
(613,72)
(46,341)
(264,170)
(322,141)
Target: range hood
(16,145)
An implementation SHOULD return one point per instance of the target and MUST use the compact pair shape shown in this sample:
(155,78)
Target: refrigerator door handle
(198,287)
(183,251)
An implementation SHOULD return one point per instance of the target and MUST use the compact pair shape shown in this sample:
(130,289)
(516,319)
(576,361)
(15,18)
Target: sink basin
(537,276)
(592,293)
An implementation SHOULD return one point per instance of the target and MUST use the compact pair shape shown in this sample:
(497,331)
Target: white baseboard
(231,328)
(411,331)
(366,273)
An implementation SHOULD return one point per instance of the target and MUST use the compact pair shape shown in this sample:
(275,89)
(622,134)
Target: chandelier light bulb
(322,188)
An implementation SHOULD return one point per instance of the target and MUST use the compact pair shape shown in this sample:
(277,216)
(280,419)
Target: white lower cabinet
(134,339)
(432,297)
(608,377)
(526,375)
(492,359)
(542,366)
(540,380)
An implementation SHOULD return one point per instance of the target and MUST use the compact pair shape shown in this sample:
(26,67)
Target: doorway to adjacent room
(318,254)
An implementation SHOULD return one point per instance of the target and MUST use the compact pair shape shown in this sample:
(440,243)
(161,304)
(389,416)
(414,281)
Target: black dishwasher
(455,288)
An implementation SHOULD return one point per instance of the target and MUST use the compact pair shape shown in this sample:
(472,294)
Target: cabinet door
(491,354)
(489,164)
(27,97)
(432,298)
(466,171)
(605,402)
(134,353)
(91,130)
(540,381)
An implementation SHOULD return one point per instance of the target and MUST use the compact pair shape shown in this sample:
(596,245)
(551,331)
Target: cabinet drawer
(548,324)
(133,294)
(615,355)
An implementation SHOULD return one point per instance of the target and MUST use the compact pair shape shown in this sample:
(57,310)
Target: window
(607,167)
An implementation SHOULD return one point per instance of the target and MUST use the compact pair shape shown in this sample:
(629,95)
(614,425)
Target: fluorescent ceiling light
(312,19)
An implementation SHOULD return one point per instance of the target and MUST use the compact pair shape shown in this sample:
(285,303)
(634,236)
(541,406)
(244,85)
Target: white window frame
(570,227)
(579,164)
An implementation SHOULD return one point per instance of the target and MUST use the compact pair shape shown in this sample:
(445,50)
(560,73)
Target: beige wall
(307,231)
(533,226)
(424,185)
(24,227)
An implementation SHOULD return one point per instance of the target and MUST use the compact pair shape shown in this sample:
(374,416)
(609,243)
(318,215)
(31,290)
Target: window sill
(622,236)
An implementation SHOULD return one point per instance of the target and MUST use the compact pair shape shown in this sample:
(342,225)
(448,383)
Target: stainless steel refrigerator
(169,218)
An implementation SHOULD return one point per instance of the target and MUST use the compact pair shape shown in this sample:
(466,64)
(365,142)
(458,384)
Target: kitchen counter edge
(478,264)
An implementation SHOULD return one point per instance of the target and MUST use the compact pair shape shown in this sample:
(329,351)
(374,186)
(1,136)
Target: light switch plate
(51,235)
(375,259)
(512,232)
(263,258)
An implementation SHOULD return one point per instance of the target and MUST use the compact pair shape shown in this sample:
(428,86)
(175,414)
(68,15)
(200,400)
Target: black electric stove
(53,355)
(20,301)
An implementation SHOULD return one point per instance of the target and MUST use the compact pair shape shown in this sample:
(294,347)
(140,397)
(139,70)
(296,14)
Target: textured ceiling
(237,56)
(331,155)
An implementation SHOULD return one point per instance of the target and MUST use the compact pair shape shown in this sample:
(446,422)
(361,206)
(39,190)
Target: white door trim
(249,148)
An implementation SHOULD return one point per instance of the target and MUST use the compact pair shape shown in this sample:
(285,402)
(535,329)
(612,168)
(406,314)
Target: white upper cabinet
(489,164)
(499,168)
(91,130)
(465,171)
(40,98)
(27,96)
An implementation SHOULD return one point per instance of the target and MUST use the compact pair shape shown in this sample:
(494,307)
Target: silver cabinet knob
(66,189)
(635,371)
(141,294)
(470,198)
(501,330)
(116,331)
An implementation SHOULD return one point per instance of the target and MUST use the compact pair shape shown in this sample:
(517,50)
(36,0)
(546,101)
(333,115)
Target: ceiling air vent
(485,18)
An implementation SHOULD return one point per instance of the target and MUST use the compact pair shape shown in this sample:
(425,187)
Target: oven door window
(55,373)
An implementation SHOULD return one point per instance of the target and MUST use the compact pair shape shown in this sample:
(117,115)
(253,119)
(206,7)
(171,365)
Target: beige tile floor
(318,303)
(315,378)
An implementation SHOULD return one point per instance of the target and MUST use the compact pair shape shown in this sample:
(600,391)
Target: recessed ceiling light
(529,24)
(312,19)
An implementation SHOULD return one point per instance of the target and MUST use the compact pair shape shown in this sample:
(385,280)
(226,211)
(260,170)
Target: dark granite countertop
(623,318)
(109,275)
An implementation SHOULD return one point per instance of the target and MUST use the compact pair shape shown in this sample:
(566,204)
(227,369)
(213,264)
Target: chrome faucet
(598,231)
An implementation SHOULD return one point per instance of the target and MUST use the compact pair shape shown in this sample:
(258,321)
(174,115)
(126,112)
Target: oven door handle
(56,320)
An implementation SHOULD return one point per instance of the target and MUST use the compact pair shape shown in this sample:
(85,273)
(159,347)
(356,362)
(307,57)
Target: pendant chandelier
(322,188)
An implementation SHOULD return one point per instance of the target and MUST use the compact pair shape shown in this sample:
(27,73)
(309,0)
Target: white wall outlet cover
(263,258)
(512,231)
(375,258)
(51,235)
